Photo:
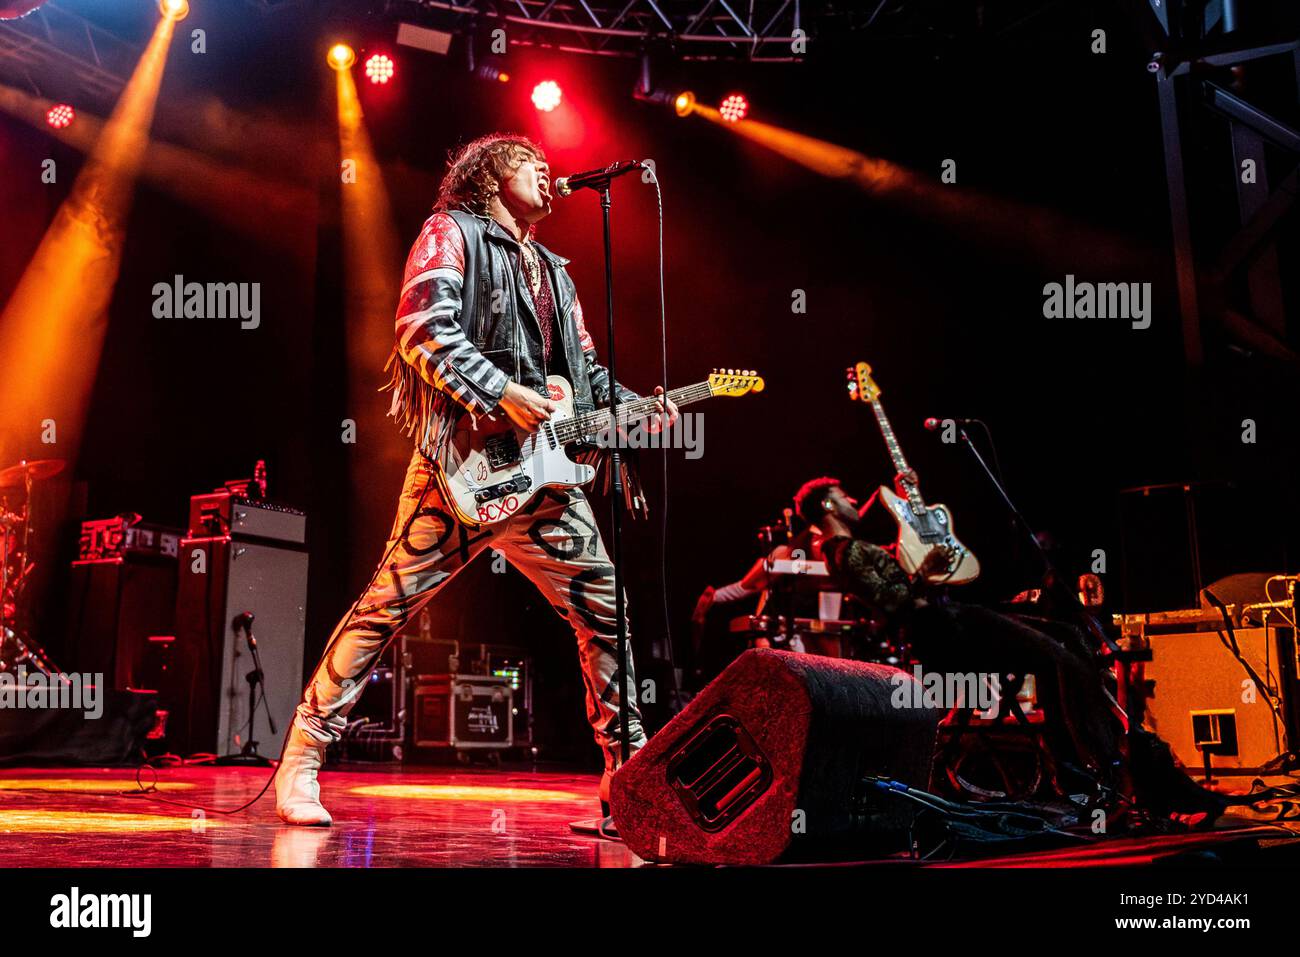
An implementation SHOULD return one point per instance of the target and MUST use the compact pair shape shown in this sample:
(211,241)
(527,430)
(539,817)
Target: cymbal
(16,475)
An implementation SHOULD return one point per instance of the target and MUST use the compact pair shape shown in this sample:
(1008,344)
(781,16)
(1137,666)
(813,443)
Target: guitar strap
(484,291)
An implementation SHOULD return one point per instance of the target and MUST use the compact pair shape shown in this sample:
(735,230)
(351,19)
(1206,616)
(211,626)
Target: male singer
(484,315)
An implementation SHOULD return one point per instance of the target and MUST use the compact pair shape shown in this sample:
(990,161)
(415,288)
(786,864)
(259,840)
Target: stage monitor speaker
(235,576)
(767,763)
(1202,696)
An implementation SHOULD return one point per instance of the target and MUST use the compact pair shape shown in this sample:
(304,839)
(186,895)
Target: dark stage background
(1059,147)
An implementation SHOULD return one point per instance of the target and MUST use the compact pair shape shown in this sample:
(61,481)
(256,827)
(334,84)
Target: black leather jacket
(466,326)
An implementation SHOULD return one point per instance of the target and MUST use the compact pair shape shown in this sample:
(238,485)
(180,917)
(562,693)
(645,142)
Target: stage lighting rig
(493,74)
(379,68)
(683,103)
(547,95)
(734,107)
(341,56)
(60,116)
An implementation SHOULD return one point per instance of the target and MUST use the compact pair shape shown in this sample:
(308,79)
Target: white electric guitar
(493,471)
(921,527)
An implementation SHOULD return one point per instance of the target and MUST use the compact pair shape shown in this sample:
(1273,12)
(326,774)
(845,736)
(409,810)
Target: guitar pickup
(501,450)
(520,483)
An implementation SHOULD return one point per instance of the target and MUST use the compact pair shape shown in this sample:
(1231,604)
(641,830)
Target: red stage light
(379,68)
(734,108)
(60,116)
(546,95)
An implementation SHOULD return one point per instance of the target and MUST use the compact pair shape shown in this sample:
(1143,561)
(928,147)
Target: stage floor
(402,817)
(382,818)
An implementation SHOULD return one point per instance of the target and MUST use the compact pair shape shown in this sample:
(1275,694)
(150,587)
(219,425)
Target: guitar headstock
(735,382)
(862,388)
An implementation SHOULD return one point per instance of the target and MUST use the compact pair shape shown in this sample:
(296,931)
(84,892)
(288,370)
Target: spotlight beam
(52,329)
(372,263)
(259,206)
(1019,229)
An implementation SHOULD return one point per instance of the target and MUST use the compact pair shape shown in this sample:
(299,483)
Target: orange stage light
(95,822)
(52,328)
(454,792)
(83,784)
(372,278)
(341,56)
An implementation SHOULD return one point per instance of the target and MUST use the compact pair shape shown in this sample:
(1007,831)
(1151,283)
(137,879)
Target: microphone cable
(649,171)
(151,791)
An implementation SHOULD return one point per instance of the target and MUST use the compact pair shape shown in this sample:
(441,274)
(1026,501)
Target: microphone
(565,185)
(931,424)
(244,622)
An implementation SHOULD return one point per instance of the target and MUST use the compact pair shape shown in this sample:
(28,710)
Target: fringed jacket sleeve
(430,340)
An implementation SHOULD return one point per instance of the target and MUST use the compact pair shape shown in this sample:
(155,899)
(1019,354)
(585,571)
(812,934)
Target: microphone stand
(600,181)
(248,755)
(1130,712)
(615,463)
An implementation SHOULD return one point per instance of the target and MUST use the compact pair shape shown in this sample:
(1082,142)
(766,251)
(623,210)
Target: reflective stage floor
(400,818)
(416,817)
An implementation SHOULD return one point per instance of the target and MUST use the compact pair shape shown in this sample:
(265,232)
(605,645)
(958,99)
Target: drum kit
(17,649)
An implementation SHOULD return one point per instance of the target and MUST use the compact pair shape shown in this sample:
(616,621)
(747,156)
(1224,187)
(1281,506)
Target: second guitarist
(484,315)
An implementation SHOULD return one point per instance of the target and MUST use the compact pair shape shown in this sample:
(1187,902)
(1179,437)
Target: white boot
(297,793)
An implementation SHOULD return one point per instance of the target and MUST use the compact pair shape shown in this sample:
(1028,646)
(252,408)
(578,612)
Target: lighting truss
(53,46)
(753,30)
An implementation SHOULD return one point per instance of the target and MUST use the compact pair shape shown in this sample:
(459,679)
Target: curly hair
(475,172)
(808,500)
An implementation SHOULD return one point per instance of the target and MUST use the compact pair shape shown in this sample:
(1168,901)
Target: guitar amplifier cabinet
(116,606)
(221,513)
(1200,697)
(220,578)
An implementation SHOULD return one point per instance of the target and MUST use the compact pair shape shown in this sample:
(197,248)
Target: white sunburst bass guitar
(491,472)
(921,527)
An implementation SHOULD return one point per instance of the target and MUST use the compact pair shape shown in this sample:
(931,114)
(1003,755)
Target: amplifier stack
(1224,696)
(243,556)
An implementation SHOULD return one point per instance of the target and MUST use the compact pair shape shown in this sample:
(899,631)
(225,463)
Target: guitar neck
(887,430)
(896,454)
(590,423)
